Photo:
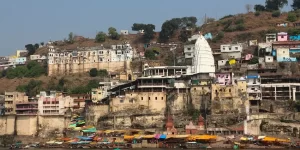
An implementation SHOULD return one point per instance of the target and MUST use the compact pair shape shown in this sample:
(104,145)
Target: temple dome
(203,61)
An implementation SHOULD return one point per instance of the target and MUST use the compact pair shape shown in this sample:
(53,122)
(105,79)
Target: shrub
(149,54)
(294,31)
(102,73)
(240,27)
(239,21)
(93,72)
(227,16)
(219,36)
(291,17)
(276,13)
(257,13)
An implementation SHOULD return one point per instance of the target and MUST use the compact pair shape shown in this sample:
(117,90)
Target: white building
(189,50)
(229,51)
(124,32)
(270,38)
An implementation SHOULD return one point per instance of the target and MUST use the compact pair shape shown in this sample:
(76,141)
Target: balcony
(27,114)
(253,91)
(260,67)
(216,52)
(26,108)
(149,85)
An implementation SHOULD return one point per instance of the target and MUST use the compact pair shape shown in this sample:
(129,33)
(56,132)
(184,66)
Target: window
(229,48)
(141,98)
(282,36)
(194,89)
(189,48)
(162,98)
(149,98)
(229,90)
(155,98)
(236,48)
(283,52)
(121,101)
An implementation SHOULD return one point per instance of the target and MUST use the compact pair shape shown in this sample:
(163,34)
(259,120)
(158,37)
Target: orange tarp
(269,139)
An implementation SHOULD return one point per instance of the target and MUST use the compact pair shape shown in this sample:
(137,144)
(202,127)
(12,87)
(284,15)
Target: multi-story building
(79,100)
(115,59)
(254,90)
(38,58)
(51,103)
(27,107)
(2,101)
(11,99)
(100,93)
(270,38)
(229,51)
(282,36)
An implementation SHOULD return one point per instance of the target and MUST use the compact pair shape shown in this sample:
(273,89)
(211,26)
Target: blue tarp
(163,136)
(253,77)
(85,138)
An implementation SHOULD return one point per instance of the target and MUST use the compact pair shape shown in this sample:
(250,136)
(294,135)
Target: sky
(33,21)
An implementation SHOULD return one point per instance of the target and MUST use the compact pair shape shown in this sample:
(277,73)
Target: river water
(152,149)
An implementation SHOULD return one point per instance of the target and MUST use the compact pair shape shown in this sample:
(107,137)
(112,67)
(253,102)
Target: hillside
(253,27)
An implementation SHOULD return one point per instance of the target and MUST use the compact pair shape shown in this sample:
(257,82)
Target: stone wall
(26,125)
(7,124)
(43,126)
(55,69)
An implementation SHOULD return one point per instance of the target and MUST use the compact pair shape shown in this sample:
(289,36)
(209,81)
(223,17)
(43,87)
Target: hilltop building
(115,59)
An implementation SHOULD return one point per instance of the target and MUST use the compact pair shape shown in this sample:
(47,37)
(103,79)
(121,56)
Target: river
(154,149)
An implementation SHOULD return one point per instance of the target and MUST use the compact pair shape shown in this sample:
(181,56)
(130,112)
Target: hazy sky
(34,21)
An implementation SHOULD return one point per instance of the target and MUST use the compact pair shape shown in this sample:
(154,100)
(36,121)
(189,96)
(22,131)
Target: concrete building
(224,78)
(51,103)
(116,59)
(11,99)
(189,51)
(100,93)
(279,87)
(270,38)
(2,102)
(79,101)
(282,36)
(254,90)
(124,32)
(29,107)
(38,58)
(20,60)
(229,51)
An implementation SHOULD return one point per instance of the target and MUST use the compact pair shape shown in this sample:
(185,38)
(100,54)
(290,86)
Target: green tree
(102,73)
(272,5)
(148,30)
(113,33)
(71,37)
(36,46)
(149,54)
(169,27)
(276,13)
(254,60)
(32,88)
(42,43)
(184,35)
(93,72)
(100,37)
(30,48)
(259,8)
(296,4)
(291,17)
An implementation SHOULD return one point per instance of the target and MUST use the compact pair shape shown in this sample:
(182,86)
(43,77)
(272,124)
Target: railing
(26,108)
(27,113)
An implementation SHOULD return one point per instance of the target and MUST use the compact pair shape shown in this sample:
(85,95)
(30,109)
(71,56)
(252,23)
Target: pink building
(282,36)
(224,78)
(248,57)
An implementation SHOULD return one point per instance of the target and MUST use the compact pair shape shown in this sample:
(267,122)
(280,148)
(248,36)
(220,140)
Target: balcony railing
(26,108)
(32,113)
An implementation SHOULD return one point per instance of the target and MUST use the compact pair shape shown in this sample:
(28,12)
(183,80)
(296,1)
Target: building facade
(11,99)
(116,59)
(51,103)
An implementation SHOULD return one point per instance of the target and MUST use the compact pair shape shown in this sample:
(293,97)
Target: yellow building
(101,92)
(11,99)
(229,98)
